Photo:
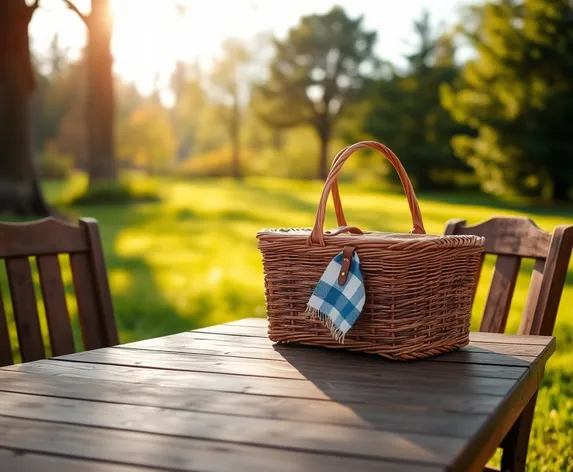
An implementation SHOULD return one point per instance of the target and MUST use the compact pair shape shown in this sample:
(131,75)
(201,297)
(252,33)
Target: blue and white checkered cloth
(339,305)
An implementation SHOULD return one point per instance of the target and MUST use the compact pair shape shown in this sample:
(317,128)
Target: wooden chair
(512,239)
(44,240)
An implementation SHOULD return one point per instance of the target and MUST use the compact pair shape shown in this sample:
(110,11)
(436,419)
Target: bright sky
(150,35)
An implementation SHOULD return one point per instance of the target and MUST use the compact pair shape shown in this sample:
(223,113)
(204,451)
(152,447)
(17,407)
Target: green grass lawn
(192,261)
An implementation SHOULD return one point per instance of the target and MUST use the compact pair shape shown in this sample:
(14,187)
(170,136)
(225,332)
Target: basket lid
(370,235)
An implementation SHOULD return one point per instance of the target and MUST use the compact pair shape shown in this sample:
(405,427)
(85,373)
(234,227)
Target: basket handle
(317,236)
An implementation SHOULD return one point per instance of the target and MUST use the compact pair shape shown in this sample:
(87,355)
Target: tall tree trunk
(20,192)
(324,136)
(100,94)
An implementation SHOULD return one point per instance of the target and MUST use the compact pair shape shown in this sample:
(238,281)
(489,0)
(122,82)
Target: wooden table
(225,398)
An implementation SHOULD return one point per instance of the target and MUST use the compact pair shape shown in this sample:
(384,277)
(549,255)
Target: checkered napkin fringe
(338,305)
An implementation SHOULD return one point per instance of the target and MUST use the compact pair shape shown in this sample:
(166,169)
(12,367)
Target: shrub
(54,166)
(113,193)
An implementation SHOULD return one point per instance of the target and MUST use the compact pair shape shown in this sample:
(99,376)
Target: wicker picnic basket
(419,288)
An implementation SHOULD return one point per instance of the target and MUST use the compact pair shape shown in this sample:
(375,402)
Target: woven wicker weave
(419,288)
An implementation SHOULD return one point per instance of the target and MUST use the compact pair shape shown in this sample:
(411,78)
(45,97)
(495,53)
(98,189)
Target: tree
(516,95)
(20,192)
(229,78)
(100,100)
(406,113)
(190,101)
(146,140)
(315,73)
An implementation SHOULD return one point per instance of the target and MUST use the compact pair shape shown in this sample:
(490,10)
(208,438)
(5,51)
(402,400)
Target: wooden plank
(486,358)
(509,338)
(388,374)
(47,236)
(230,402)
(235,330)
(179,453)
(5,346)
(25,310)
(555,272)
(257,327)
(321,390)
(15,460)
(301,436)
(491,358)
(190,341)
(500,294)
(251,322)
(268,369)
(488,439)
(86,300)
(101,284)
(532,297)
(54,296)
(512,236)
(311,356)
(390,416)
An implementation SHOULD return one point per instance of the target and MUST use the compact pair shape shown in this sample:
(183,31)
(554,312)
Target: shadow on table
(451,395)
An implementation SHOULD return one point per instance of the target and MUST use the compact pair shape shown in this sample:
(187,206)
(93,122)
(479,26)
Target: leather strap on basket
(344,229)
(317,236)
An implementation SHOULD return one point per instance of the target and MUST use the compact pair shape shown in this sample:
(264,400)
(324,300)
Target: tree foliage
(230,82)
(316,71)
(146,140)
(517,96)
(406,113)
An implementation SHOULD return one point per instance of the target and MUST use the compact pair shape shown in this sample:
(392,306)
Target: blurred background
(184,126)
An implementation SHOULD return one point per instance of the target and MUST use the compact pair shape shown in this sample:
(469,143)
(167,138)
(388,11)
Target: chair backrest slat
(25,309)
(87,303)
(101,282)
(46,240)
(512,239)
(47,236)
(555,272)
(509,236)
(500,294)
(6,357)
(532,296)
(54,297)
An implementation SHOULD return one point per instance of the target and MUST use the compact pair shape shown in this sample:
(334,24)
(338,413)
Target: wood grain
(5,345)
(226,397)
(513,236)
(47,236)
(87,302)
(316,437)
(314,356)
(453,415)
(178,453)
(500,294)
(386,374)
(16,460)
(54,297)
(106,316)
(25,310)
(317,390)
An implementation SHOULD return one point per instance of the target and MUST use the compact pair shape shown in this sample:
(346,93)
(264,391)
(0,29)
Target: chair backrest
(44,240)
(512,239)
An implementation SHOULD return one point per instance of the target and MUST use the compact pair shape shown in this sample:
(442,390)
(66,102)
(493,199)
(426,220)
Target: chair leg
(516,442)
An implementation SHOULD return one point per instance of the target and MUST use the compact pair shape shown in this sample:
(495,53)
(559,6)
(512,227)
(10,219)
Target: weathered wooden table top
(225,398)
